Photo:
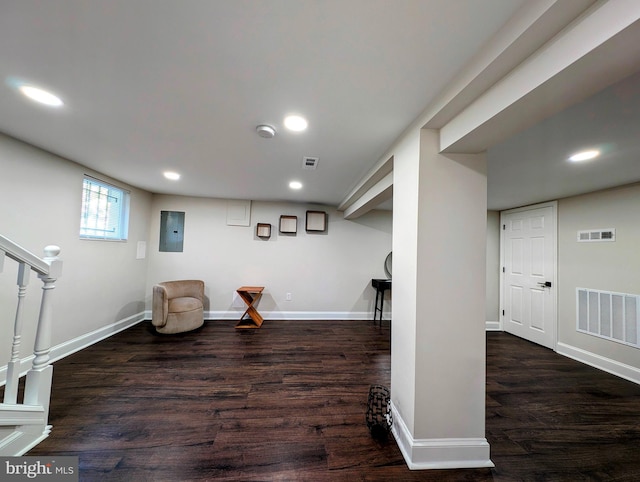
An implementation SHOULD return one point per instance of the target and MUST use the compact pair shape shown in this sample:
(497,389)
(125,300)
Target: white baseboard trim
(598,361)
(449,453)
(493,326)
(69,347)
(286,315)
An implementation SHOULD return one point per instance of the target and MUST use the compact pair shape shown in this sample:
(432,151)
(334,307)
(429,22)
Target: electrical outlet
(288,297)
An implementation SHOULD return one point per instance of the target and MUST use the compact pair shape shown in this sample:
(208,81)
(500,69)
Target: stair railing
(37,389)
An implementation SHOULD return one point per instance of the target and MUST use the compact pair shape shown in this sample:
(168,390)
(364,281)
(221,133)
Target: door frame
(554,224)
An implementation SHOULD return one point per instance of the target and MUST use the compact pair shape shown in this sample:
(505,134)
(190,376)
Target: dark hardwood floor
(287,403)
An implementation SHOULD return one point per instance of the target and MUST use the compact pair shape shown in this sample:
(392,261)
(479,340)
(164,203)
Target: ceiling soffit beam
(596,50)
(531,27)
(373,177)
(381,192)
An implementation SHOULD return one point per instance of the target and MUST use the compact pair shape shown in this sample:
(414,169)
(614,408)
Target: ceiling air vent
(310,163)
(597,235)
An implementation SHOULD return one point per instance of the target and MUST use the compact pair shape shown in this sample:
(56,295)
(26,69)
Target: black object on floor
(379,419)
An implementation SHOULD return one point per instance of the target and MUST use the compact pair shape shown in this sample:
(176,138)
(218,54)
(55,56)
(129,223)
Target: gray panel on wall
(171,231)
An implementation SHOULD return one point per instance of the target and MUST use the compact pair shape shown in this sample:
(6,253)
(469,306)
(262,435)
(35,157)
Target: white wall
(101,283)
(328,274)
(492,308)
(451,295)
(608,266)
(405,244)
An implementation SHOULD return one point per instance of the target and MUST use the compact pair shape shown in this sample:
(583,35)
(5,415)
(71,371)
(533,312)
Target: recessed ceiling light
(40,95)
(295,185)
(295,123)
(173,176)
(584,155)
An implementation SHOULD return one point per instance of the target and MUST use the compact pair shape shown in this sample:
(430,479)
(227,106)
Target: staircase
(24,423)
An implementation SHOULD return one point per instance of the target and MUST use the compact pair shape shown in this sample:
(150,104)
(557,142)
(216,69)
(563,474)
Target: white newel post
(13,367)
(37,389)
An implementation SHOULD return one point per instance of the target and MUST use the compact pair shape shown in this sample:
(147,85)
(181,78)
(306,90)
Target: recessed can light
(584,155)
(295,123)
(295,185)
(173,176)
(40,95)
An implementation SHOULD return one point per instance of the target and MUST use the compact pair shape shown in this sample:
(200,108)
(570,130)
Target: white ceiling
(533,165)
(152,85)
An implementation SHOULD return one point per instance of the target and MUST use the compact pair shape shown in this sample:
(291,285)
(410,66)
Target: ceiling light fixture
(265,131)
(584,155)
(173,176)
(40,95)
(295,123)
(295,185)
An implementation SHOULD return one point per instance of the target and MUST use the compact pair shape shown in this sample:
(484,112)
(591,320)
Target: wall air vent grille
(310,163)
(613,316)
(597,235)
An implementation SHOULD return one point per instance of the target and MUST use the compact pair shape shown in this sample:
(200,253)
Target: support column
(438,337)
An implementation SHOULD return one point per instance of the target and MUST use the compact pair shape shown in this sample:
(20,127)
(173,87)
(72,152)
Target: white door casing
(528,250)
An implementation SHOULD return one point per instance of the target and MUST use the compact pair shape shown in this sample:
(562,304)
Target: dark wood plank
(287,402)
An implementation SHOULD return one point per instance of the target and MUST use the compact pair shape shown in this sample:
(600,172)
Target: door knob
(546,284)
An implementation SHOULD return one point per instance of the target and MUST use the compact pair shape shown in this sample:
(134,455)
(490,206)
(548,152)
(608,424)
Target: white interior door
(529,273)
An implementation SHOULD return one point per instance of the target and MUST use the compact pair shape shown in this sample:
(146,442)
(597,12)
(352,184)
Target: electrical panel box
(171,231)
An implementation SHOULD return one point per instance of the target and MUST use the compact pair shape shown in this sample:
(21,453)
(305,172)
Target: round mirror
(387,265)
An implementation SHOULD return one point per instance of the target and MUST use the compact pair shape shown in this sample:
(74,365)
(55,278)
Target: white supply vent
(310,163)
(596,235)
(609,315)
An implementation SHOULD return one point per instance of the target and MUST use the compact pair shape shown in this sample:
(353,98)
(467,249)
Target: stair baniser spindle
(13,367)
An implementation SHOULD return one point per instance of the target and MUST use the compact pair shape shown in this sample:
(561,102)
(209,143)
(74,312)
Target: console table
(381,285)
(250,295)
